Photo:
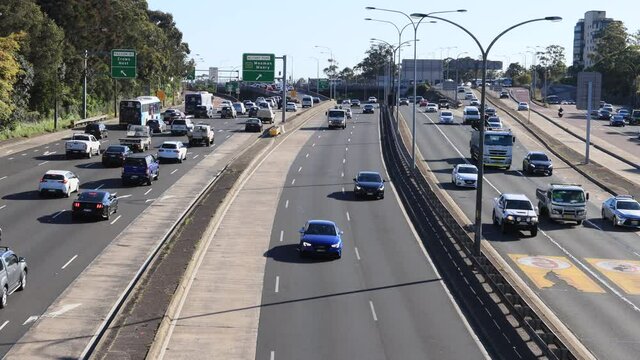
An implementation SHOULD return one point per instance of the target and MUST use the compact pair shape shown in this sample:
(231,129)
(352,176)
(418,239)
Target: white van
(307,101)
(470,115)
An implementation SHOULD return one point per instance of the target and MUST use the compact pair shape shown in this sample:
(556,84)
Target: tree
(514,70)
(9,71)
(346,74)
(552,61)
(375,63)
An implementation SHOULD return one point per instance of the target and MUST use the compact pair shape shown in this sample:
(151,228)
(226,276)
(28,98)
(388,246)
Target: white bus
(139,110)
(200,98)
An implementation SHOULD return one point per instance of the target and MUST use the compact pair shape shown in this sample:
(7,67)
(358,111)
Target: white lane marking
(300,169)
(148,191)
(4,324)
(90,165)
(344,160)
(351,133)
(357,253)
(228,136)
(30,319)
(342,174)
(3,206)
(57,143)
(11,158)
(593,224)
(44,162)
(69,262)
(58,213)
(189,153)
(348,217)
(220,130)
(343,189)
(46,147)
(286,204)
(2,178)
(124,196)
(25,154)
(195,156)
(346,149)
(36,150)
(293,181)
(174,171)
(273,355)
(62,310)
(277,284)
(148,200)
(116,219)
(373,311)
(281,235)
(314,144)
(349,140)
(307,155)
(98,188)
(226,122)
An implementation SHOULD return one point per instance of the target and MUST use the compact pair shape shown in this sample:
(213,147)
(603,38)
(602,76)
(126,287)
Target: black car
(156,126)
(115,155)
(367,109)
(369,183)
(504,94)
(537,162)
(443,104)
(355,103)
(99,130)
(171,114)
(604,114)
(253,124)
(253,111)
(100,204)
(316,100)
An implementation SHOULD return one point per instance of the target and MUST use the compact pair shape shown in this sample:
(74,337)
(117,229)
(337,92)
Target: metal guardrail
(90,120)
(419,198)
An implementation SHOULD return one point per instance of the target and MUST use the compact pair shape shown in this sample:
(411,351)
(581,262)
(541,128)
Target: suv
(99,130)
(13,274)
(515,211)
(181,126)
(62,182)
(443,103)
(140,168)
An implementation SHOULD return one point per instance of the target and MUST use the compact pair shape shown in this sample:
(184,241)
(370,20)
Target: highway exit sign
(258,67)
(123,64)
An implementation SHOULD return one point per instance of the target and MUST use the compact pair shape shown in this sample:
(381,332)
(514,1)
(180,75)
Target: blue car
(616,120)
(320,237)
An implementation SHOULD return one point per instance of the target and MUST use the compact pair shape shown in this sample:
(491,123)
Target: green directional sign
(258,67)
(323,84)
(191,75)
(123,64)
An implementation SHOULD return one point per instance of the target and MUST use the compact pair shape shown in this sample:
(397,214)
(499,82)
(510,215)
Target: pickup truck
(181,126)
(138,138)
(13,274)
(563,202)
(82,144)
(514,211)
(201,134)
(265,114)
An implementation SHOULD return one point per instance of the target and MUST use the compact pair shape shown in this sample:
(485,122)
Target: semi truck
(563,202)
(498,147)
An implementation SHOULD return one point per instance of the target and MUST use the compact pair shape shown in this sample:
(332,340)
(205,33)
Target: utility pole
(84,85)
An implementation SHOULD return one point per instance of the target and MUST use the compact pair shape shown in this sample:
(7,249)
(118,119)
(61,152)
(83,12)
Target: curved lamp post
(397,48)
(485,53)
(415,67)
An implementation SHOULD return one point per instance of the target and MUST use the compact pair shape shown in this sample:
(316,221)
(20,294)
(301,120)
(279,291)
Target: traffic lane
(56,256)
(578,295)
(387,285)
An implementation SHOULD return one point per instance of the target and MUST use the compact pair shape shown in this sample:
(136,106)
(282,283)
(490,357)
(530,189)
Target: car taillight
(43,180)
(76,204)
(64,181)
(99,206)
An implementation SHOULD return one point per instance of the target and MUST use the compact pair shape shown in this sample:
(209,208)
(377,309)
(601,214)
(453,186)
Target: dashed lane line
(3,325)
(116,219)
(69,262)
(277,284)
(148,191)
(57,214)
(174,171)
(281,235)
(373,311)
(357,253)
(286,204)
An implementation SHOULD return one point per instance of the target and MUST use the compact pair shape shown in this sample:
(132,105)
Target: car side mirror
(384,180)
(21,259)
(514,139)
(536,210)
(587,196)
(301,231)
(341,232)
(354,179)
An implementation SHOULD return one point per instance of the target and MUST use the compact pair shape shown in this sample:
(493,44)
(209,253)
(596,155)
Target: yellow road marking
(624,273)
(548,271)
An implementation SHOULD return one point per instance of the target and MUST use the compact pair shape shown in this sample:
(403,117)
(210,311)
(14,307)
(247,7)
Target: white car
(465,175)
(172,150)
(291,106)
(431,107)
(372,100)
(58,182)
(346,103)
(523,106)
(494,122)
(446,117)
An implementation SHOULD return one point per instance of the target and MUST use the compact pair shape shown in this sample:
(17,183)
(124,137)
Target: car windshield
(628,205)
(446,113)
(336,113)
(320,229)
(518,205)
(467,170)
(368,106)
(169,146)
(91,196)
(568,196)
(472,112)
(539,157)
(498,139)
(115,149)
(369,178)
(179,122)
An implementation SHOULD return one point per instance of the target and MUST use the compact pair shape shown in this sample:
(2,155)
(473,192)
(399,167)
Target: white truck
(563,202)
(138,138)
(336,118)
(83,145)
(265,113)
(514,211)
(201,134)
(498,147)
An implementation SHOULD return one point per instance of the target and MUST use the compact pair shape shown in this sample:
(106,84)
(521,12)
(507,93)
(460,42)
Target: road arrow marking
(30,319)
(62,310)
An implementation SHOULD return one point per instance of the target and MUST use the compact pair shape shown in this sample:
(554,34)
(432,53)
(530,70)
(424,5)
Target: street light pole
(415,70)
(317,73)
(331,61)
(457,78)
(485,53)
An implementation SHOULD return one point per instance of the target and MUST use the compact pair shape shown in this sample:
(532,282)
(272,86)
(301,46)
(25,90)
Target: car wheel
(89,154)
(602,213)
(3,298)
(578,222)
(68,193)
(23,281)
(149,180)
(503,228)
(534,232)
(108,215)
(158,174)
(493,218)
(614,221)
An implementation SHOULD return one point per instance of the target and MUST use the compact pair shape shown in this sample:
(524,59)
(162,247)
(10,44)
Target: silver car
(13,274)
(622,210)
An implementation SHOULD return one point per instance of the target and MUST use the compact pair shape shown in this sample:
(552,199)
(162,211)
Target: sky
(219,32)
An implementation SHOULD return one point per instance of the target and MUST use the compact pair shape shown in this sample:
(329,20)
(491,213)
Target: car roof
(138,156)
(466,166)
(515,197)
(171,142)
(323,222)
(57,172)
(368,173)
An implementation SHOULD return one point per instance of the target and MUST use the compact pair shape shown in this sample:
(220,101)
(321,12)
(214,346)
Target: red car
(423,102)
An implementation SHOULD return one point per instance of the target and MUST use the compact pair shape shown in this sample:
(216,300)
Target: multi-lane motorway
(40,229)
(586,274)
